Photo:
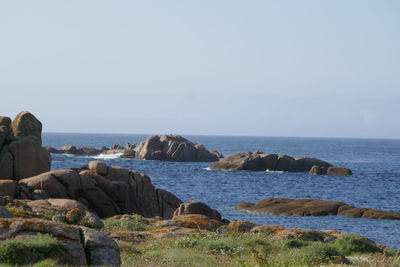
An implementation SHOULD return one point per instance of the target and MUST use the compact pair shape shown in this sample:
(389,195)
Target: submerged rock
(258,161)
(313,207)
(335,171)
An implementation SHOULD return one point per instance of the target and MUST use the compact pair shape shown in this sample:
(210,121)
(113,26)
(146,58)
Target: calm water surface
(375,181)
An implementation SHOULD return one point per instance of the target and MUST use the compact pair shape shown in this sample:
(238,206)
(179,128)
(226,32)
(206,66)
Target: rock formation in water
(164,148)
(258,161)
(313,207)
(334,171)
(104,189)
(21,151)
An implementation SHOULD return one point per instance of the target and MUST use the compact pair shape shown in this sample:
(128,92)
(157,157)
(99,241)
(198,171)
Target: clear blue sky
(274,68)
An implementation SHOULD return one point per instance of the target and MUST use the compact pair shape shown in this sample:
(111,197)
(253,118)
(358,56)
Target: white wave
(108,156)
(207,169)
(269,171)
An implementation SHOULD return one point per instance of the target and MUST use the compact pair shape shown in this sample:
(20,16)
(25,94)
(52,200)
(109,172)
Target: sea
(375,182)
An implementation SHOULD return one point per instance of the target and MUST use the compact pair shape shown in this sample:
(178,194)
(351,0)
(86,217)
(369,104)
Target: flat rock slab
(313,207)
(259,161)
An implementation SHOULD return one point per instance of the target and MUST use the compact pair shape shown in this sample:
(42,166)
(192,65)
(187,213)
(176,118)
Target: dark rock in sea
(196,207)
(313,207)
(21,151)
(258,161)
(173,148)
(104,189)
(334,171)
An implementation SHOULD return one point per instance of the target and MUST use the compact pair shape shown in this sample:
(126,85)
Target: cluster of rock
(104,189)
(164,148)
(21,151)
(313,207)
(259,161)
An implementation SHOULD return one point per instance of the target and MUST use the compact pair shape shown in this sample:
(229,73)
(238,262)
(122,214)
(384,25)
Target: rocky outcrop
(103,189)
(259,161)
(84,246)
(21,151)
(173,148)
(313,207)
(196,207)
(334,171)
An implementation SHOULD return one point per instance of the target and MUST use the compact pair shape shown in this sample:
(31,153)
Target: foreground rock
(103,189)
(335,171)
(21,151)
(313,207)
(196,207)
(258,161)
(83,245)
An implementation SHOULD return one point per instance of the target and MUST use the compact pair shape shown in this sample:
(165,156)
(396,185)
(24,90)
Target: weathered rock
(198,221)
(8,187)
(26,124)
(172,148)
(258,161)
(4,213)
(335,171)
(6,165)
(312,207)
(120,191)
(196,207)
(98,167)
(100,249)
(84,217)
(29,157)
(242,226)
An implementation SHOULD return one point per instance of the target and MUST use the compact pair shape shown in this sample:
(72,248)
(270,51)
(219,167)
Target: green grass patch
(30,250)
(133,222)
(352,244)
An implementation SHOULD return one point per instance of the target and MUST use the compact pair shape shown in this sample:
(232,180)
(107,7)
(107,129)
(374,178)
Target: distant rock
(173,148)
(334,171)
(313,207)
(21,151)
(258,161)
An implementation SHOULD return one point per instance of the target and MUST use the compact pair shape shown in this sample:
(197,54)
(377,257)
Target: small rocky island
(313,207)
(259,161)
(163,148)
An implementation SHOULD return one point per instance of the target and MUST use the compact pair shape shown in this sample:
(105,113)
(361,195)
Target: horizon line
(229,135)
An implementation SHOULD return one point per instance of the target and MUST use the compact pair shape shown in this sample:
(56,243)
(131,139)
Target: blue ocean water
(375,182)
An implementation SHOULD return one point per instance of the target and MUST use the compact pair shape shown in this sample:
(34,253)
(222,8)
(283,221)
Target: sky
(307,68)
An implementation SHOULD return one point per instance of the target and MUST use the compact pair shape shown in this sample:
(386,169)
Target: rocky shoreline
(94,214)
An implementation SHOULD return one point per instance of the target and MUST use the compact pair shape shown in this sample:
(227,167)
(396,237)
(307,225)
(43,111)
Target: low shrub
(353,244)
(317,253)
(133,222)
(30,250)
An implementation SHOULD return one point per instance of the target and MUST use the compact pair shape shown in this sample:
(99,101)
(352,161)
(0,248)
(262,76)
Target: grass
(248,249)
(229,249)
(30,250)
(132,222)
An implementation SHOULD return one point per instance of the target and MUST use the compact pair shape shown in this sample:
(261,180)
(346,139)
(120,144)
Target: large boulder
(172,148)
(312,207)
(21,151)
(30,158)
(26,124)
(84,246)
(259,161)
(196,207)
(104,189)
